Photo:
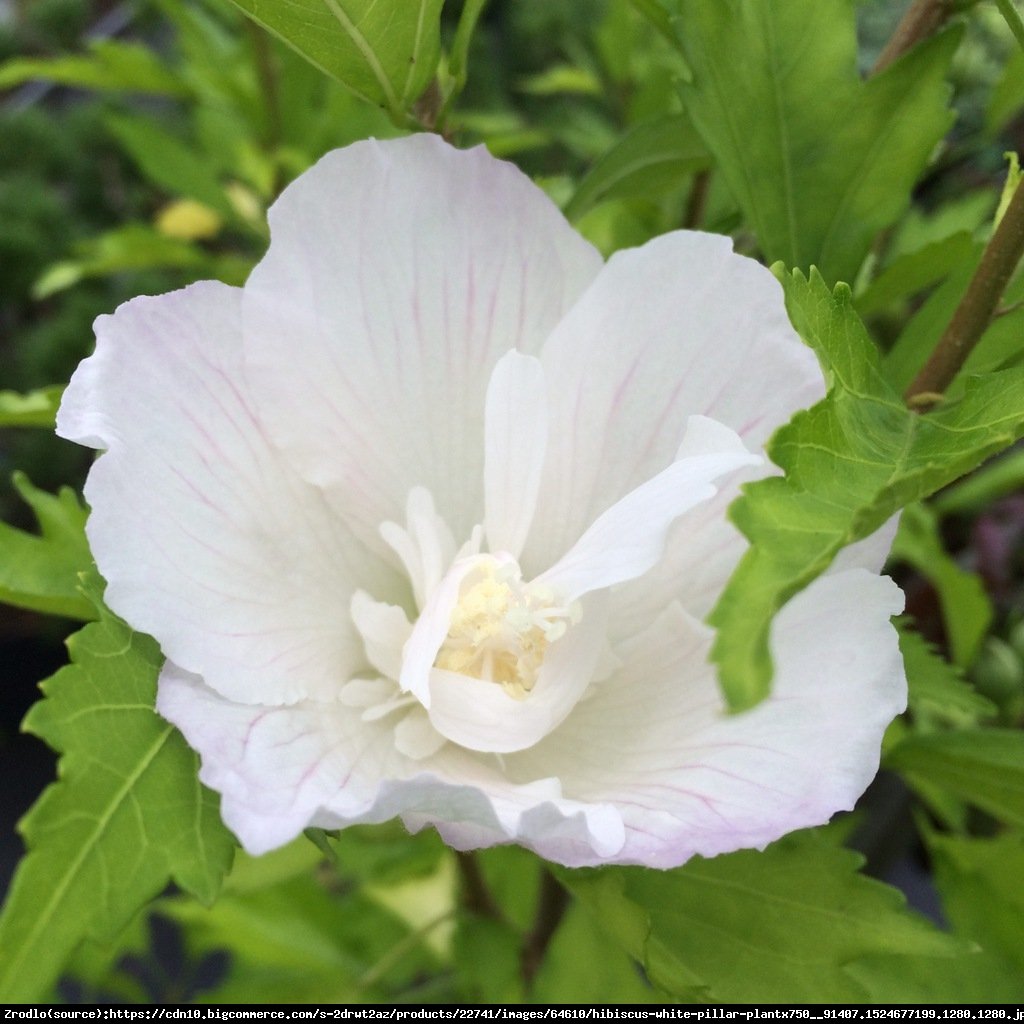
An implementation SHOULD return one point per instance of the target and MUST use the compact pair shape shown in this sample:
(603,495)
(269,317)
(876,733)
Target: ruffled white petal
(384,630)
(655,742)
(280,770)
(207,538)
(398,274)
(682,326)
(515,440)
(629,539)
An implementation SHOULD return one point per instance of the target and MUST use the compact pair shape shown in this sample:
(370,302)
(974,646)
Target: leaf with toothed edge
(851,462)
(126,817)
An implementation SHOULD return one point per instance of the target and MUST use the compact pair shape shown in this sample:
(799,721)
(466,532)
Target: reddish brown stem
(923,19)
(976,308)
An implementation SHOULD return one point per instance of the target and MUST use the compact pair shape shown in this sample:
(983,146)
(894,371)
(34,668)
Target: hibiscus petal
(398,274)
(678,327)
(656,742)
(515,439)
(384,630)
(207,540)
(628,540)
(280,770)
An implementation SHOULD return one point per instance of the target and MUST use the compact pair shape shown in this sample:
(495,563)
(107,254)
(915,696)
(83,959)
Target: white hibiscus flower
(427,515)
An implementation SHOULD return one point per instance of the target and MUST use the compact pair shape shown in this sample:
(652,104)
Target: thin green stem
(1013,19)
(266,72)
(976,308)
(923,19)
(400,950)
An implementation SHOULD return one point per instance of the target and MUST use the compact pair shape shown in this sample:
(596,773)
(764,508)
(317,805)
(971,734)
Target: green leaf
(583,965)
(938,688)
(135,247)
(486,955)
(110,65)
(982,766)
(1008,95)
(980,884)
(653,155)
(910,273)
(817,180)
(385,51)
(127,816)
(774,926)
(41,572)
(851,462)
(1000,477)
(967,611)
(294,941)
(972,977)
(33,409)
(170,163)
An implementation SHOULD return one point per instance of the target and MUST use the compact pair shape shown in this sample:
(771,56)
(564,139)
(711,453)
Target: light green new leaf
(651,156)
(127,816)
(33,409)
(385,51)
(41,571)
(773,926)
(937,687)
(818,160)
(982,766)
(967,611)
(851,462)
(110,65)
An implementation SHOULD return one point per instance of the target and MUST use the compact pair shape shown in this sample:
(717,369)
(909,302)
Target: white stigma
(501,627)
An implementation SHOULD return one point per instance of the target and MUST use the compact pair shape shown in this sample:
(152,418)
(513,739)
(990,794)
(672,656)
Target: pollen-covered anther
(501,627)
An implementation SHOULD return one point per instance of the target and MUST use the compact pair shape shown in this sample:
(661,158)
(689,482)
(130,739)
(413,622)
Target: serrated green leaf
(41,572)
(967,611)
(983,766)
(773,926)
(851,462)
(32,409)
(817,180)
(658,153)
(110,65)
(127,816)
(980,884)
(938,688)
(385,51)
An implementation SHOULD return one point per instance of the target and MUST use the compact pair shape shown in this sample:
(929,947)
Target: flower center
(501,627)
